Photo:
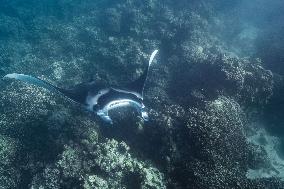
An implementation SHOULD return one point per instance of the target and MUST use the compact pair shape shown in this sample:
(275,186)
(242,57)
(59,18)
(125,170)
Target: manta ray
(99,98)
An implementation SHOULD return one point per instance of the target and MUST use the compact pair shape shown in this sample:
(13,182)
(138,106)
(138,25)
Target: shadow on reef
(274,110)
(146,139)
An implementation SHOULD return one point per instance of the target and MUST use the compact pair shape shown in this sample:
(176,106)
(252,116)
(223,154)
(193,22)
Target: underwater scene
(132,94)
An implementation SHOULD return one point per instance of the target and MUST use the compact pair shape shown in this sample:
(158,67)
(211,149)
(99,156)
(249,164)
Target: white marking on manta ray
(122,102)
(91,100)
(103,113)
(152,57)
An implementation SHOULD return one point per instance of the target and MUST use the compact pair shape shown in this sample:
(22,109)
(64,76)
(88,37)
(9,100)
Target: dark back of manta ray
(79,92)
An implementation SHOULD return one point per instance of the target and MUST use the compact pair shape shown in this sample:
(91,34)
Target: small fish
(98,98)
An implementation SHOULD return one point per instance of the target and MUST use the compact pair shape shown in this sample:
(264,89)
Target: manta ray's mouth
(124,113)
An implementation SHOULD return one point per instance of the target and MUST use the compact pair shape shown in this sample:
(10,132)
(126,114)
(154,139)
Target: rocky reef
(215,116)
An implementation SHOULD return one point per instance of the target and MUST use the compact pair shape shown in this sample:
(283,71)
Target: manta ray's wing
(138,85)
(71,94)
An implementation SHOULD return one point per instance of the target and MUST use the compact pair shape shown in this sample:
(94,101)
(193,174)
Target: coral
(200,96)
(112,20)
(209,145)
(114,160)
(246,81)
(108,165)
(70,163)
(213,138)
(93,181)
(9,174)
(49,179)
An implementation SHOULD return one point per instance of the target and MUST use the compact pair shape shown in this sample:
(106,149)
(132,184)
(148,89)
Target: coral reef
(9,175)
(204,99)
(100,165)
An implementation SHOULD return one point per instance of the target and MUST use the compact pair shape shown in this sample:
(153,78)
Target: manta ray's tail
(39,82)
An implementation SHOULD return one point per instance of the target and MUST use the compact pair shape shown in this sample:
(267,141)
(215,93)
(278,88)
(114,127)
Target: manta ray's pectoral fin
(41,83)
(138,85)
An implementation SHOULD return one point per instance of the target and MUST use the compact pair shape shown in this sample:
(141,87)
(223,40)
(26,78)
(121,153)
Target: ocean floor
(214,94)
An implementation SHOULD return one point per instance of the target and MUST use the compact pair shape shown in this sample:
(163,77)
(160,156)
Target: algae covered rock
(9,172)
(244,80)
(114,159)
(93,181)
(109,165)
(213,140)
(200,95)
